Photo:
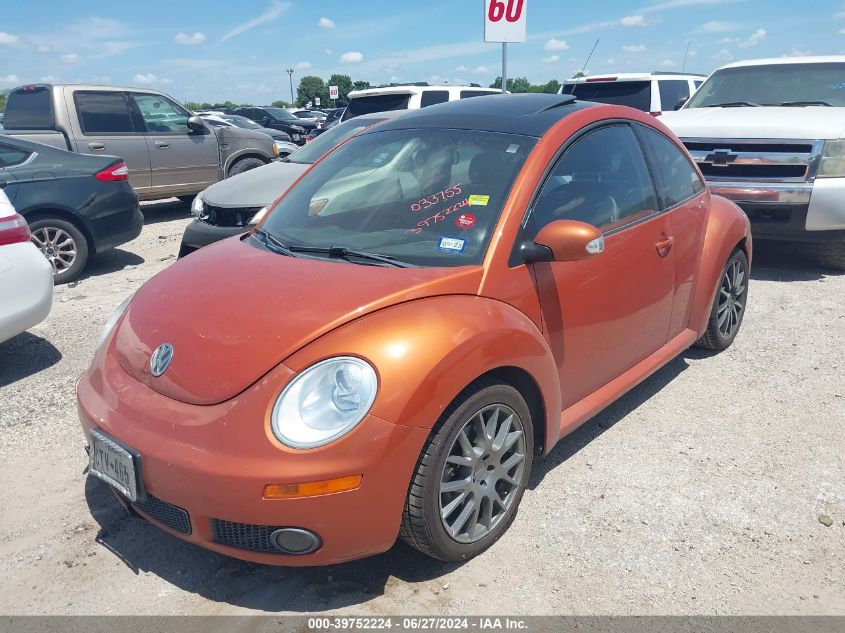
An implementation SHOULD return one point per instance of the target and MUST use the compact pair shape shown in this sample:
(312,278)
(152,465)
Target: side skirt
(574,416)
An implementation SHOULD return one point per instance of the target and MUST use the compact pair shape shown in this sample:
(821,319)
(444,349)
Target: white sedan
(26,277)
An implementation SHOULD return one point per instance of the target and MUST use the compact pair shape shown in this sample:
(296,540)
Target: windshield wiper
(735,104)
(340,252)
(273,244)
(792,104)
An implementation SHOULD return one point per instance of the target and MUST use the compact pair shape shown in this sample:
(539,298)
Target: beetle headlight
(198,208)
(324,402)
(113,319)
(833,160)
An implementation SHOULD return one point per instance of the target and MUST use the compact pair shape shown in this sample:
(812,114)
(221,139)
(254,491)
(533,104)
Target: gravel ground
(716,487)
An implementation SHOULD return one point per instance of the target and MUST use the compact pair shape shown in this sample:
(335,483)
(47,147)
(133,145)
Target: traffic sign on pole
(505,21)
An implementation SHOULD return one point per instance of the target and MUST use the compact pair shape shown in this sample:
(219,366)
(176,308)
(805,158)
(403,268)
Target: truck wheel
(471,474)
(831,255)
(64,246)
(245,164)
(728,306)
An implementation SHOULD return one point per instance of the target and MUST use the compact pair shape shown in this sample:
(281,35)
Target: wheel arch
(727,229)
(247,153)
(421,377)
(40,213)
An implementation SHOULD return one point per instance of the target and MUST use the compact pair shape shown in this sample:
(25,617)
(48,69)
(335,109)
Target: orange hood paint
(235,294)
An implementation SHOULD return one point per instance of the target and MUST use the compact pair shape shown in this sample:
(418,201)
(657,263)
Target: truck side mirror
(195,124)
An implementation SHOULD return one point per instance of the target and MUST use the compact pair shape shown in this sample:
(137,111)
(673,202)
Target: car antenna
(589,57)
(684,67)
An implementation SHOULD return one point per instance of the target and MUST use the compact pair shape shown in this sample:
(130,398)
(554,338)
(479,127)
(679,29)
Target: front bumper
(214,461)
(198,234)
(801,212)
(26,285)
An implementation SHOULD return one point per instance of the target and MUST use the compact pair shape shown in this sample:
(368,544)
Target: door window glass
(677,180)
(103,112)
(10,156)
(161,115)
(601,180)
(432,97)
(671,93)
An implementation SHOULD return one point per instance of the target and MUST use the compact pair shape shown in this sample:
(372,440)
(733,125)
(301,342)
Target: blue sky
(210,50)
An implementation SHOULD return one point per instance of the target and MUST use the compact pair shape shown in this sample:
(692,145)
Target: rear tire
(471,474)
(245,164)
(64,246)
(831,255)
(729,304)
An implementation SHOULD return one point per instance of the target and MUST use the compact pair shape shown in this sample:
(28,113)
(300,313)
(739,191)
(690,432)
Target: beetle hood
(232,312)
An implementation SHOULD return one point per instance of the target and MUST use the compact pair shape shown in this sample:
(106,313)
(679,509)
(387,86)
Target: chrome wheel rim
(731,299)
(482,474)
(57,246)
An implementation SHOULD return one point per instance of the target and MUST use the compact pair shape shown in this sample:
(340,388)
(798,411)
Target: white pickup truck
(770,135)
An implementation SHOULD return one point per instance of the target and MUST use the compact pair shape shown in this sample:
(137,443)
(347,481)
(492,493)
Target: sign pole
(504,67)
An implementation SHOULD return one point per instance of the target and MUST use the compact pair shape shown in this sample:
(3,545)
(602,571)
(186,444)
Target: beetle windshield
(428,197)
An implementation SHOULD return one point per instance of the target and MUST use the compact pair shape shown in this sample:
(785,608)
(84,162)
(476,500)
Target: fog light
(312,488)
(295,541)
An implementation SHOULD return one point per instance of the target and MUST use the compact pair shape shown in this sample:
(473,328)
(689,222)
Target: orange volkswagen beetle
(431,306)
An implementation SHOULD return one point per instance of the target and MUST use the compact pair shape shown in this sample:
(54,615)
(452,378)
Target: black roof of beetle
(526,114)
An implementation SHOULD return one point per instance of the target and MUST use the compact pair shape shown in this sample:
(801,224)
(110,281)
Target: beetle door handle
(162,145)
(665,246)
(96,146)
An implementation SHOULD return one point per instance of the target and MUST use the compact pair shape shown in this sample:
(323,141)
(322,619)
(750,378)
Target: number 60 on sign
(504,20)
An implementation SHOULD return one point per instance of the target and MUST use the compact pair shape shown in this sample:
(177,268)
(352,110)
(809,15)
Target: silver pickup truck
(169,151)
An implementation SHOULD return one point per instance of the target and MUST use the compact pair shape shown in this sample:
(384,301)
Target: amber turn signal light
(312,488)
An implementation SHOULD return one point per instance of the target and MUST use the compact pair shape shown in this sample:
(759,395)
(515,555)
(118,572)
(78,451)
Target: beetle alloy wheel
(57,246)
(482,473)
(731,298)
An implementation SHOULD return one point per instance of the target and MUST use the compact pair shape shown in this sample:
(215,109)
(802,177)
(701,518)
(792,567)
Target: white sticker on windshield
(453,244)
(512,149)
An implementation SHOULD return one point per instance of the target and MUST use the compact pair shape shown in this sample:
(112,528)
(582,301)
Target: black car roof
(526,114)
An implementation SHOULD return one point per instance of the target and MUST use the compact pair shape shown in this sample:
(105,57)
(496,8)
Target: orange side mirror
(570,240)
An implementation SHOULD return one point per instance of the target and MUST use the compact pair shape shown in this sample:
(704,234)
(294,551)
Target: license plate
(296,137)
(114,464)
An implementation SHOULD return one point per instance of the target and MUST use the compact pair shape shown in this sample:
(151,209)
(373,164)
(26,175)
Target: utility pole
(290,77)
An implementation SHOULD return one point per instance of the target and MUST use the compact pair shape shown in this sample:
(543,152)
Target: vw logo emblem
(161,358)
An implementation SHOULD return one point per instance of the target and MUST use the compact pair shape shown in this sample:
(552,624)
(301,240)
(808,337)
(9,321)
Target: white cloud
(462,69)
(610,61)
(842,32)
(634,48)
(7,39)
(303,66)
(9,80)
(326,23)
(144,79)
(273,13)
(327,51)
(675,4)
(633,20)
(352,57)
(481,70)
(723,55)
(551,59)
(556,45)
(184,38)
(668,63)
(49,79)
(755,38)
(70,58)
(715,26)
(166,81)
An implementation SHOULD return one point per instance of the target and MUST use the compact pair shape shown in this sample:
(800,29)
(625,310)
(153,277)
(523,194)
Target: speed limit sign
(504,20)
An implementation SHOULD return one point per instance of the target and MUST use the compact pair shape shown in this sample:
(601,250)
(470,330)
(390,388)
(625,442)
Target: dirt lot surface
(718,486)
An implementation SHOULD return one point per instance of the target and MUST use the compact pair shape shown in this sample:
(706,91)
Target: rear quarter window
(634,94)
(466,94)
(433,97)
(676,179)
(376,103)
(11,156)
(30,109)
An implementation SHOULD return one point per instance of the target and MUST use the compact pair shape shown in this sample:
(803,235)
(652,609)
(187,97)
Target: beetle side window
(602,180)
(676,178)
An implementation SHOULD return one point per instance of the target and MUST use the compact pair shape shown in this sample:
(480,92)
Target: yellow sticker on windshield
(479,201)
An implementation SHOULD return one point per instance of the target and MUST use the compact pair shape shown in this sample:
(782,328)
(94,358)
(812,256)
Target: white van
(656,92)
(409,97)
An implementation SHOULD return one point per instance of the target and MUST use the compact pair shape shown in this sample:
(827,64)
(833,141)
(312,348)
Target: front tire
(64,246)
(471,474)
(831,255)
(728,309)
(245,164)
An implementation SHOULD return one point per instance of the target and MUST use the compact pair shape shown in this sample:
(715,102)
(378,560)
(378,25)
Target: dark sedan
(279,119)
(76,205)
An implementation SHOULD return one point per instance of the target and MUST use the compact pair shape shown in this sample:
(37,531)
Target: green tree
(360,85)
(193,106)
(518,85)
(344,87)
(578,75)
(3,95)
(309,88)
(552,87)
(280,103)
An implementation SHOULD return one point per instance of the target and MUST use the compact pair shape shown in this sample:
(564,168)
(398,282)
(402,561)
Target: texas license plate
(114,464)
